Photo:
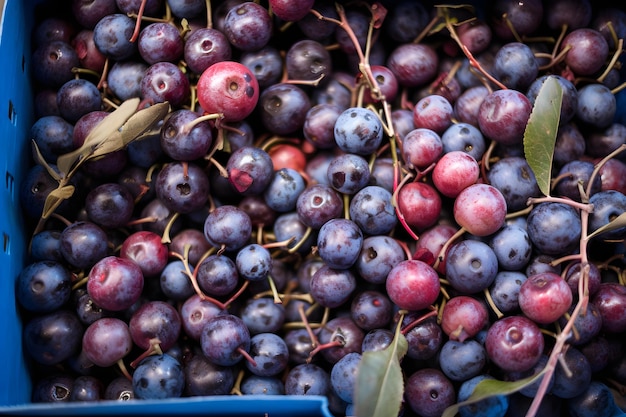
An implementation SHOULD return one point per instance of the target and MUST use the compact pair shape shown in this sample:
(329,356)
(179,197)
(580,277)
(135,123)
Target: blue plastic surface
(16,118)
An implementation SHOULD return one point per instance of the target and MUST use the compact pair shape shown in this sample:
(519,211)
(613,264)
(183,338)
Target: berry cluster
(236,197)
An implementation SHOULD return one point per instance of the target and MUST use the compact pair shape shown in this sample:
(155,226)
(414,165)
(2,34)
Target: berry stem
(411,325)
(142,7)
(122,366)
(444,248)
(492,304)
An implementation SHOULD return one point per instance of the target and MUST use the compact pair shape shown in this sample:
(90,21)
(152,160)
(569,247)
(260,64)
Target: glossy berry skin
(358,130)
(607,205)
(182,188)
(372,210)
(515,66)
(596,105)
(194,313)
(514,343)
(51,338)
(112,36)
(588,51)
(371,310)
(106,341)
(463,317)
(160,41)
(281,194)
(83,244)
(115,283)
(248,26)
(344,330)
(420,204)
(217,275)
(471,266)
(379,254)
(110,205)
(57,59)
(609,300)
(270,354)
(455,171)
(165,82)
(53,136)
(43,286)
(76,98)
(319,123)
(205,47)
(228,88)
(262,315)
(339,243)
(222,337)
(571,174)
(283,108)
(202,377)
(124,78)
(412,285)
(413,64)
(481,209)
(227,226)
(464,137)
(307,379)
(348,173)
(503,116)
(155,322)
(158,377)
(512,247)
(179,142)
(332,287)
(421,147)
(343,376)
(514,178)
(596,400)
(254,262)
(307,59)
(250,170)
(429,392)
(433,112)
(317,204)
(554,228)
(291,11)
(545,297)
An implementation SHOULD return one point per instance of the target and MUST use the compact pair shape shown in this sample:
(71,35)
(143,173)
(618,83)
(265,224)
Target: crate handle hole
(9,182)
(12,114)
(6,240)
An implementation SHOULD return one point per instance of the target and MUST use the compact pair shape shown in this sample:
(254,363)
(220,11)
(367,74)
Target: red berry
(228,88)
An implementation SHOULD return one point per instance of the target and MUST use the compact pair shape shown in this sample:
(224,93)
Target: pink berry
(463,317)
(421,147)
(545,297)
(229,88)
(455,171)
(420,204)
(480,209)
(413,285)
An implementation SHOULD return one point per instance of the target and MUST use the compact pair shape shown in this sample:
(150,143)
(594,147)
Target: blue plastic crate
(16,118)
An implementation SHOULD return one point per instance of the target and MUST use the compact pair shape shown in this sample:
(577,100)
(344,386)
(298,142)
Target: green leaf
(100,133)
(541,130)
(42,161)
(379,383)
(616,223)
(55,198)
(492,387)
(137,124)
